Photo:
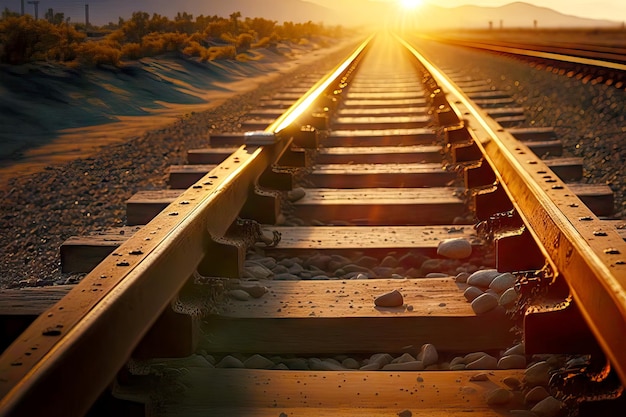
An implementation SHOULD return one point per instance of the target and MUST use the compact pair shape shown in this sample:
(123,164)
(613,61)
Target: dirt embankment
(51,114)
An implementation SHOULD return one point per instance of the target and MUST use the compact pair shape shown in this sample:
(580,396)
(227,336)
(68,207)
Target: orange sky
(599,9)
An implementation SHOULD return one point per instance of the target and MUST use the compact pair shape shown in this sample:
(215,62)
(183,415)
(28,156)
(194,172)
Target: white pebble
(370,367)
(471,293)
(508,297)
(484,303)
(482,278)
(458,248)
(428,355)
(512,362)
(548,407)
(503,282)
(457,367)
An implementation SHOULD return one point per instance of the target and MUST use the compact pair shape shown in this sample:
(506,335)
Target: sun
(410,4)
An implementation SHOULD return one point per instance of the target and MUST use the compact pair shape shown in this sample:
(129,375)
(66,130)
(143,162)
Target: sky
(600,9)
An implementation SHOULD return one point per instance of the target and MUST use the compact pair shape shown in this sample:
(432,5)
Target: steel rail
(73,351)
(590,256)
(598,62)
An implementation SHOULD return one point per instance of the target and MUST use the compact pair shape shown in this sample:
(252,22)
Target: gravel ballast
(40,211)
(589,117)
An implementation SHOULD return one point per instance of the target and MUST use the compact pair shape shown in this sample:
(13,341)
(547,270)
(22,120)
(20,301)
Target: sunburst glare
(410,4)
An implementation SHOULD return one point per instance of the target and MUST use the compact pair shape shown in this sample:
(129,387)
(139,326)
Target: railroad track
(597,62)
(314,247)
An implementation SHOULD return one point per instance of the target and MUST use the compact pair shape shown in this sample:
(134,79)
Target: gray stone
(512,362)
(537,374)
(471,293)
(484,303)
(485,362)
(458,248)
(428,355)
(229,362)
(548,407)
(404,366)
(258,362)
(482,278)
(503,282)
(536,394)
(499,396)
(390,299)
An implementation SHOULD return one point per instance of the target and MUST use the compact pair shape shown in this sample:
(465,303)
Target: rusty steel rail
(590,256)
(73,351)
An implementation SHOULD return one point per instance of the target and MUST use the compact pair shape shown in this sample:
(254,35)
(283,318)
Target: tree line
(24,39)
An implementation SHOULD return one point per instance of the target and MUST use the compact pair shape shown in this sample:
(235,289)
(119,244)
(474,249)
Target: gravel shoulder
(589,117)
(40,211)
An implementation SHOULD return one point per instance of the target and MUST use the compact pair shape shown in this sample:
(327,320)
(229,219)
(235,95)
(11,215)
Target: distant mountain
(345,12)
(516,15)
(513,15)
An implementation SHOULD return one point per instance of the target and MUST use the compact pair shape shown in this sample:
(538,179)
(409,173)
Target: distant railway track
(604,63)
(271,247)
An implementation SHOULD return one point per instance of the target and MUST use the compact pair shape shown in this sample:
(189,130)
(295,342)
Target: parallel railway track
(373,168)
(601,63)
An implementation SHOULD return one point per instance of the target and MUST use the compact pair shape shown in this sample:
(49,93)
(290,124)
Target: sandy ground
(112,106)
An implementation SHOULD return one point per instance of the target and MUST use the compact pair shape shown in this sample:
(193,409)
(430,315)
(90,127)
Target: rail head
(589,255)
(72,352)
